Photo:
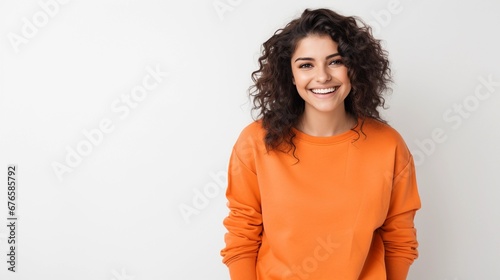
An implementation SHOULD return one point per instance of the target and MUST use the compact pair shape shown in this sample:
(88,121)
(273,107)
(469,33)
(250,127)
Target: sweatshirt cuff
(243,269)
(396,269)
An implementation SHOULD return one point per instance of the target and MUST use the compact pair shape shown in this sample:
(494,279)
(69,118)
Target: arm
(244,222)
(400,245)
(398,230)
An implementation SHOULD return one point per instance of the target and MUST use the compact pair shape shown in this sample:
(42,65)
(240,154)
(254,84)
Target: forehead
(315,45)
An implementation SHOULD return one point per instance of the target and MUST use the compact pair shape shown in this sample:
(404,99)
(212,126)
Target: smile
(324,90)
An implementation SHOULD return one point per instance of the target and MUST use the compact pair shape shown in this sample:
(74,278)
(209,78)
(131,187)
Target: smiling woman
(322,82)
(319,186)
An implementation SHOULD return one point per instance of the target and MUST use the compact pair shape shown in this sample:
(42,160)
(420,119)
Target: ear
(293,80)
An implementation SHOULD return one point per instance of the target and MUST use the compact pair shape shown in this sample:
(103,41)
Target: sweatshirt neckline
(323,140)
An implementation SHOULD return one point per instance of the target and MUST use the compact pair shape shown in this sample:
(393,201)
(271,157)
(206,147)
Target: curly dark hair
(275,96)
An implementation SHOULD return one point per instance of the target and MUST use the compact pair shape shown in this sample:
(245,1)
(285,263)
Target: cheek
(345,76)
(300,80)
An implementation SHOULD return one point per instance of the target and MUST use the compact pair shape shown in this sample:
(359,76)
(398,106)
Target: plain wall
(119,114)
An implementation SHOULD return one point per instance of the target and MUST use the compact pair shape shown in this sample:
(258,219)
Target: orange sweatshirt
(344,211)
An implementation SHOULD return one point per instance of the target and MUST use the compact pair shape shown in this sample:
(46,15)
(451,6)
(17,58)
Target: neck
(325,124)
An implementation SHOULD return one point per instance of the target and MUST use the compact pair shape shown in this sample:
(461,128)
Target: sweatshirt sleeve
(398,231)
(244,222)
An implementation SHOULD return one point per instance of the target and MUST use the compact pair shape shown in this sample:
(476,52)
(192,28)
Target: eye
(305,65)
(336,62)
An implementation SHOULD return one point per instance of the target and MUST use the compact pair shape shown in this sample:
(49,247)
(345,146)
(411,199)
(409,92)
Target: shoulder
(385,139)
(253,129)
(381,132)
(251,136)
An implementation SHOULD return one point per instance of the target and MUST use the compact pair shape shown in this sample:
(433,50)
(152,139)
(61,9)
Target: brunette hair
(275,97)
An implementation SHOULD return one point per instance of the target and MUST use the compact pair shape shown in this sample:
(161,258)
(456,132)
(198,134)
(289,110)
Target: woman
(320,187)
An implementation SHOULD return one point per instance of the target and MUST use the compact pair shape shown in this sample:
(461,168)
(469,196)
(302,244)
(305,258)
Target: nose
(323,75)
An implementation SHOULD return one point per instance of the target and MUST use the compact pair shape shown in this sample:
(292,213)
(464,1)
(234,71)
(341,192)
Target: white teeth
(324,90)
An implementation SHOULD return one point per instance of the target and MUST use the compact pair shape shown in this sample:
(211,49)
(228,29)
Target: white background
(116,214)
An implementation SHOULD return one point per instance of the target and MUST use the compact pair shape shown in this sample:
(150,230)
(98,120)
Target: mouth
(324,91)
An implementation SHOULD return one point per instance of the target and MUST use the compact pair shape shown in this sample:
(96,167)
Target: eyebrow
(310,58)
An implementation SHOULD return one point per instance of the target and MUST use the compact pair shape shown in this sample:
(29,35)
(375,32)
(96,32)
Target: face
(320,76)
